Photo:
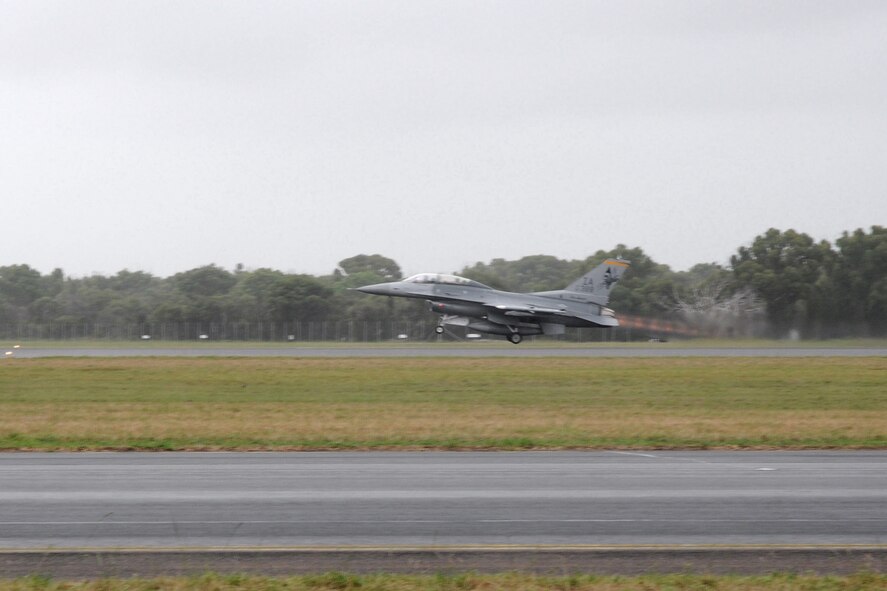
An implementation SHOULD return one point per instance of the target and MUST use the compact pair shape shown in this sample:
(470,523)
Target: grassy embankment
(462,582)
(265,403)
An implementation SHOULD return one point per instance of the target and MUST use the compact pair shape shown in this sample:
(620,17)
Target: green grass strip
(441,403)
(335,581)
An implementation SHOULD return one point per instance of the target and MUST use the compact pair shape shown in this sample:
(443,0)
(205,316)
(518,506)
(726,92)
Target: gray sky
(165,135)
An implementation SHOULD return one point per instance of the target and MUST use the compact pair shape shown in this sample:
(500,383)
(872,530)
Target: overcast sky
(165,135)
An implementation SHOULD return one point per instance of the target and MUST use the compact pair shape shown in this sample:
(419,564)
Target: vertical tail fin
(597,283)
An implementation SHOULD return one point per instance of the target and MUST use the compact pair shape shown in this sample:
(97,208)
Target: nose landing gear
(515,338)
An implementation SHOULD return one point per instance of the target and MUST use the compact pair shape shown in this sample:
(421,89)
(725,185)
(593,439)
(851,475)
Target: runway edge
(822,560)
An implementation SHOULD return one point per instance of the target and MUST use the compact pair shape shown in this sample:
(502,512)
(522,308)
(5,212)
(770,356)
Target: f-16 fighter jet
(463,302)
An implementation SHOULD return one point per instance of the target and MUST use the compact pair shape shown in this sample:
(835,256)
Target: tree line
(784,284)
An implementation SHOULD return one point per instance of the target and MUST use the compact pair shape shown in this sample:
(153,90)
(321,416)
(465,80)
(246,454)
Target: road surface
(481,350)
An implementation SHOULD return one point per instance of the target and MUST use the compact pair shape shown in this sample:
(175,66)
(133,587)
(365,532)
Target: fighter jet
(480,308)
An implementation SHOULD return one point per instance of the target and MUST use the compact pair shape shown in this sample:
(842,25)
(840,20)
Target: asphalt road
(477,350)
(267,500)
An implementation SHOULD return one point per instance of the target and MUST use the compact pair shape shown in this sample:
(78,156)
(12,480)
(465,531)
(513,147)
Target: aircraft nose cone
(377,289)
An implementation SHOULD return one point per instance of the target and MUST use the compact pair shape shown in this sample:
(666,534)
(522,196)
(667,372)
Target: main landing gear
(439,329)
(515,338)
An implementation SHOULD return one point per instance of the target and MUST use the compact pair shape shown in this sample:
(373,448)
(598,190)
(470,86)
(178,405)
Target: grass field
(462,582)
(440,403)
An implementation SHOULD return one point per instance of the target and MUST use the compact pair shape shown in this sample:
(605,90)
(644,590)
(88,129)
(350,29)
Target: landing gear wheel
(515,338)
(439,329)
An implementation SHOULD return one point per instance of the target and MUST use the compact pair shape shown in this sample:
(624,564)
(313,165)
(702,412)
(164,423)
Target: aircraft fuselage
(465,302)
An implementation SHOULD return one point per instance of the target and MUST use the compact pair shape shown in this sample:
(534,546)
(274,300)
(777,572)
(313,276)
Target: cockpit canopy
(444,279)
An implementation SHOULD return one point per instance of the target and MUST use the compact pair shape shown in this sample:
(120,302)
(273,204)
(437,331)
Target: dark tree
(860,277)
(209,280)
(783,268)
(383,267)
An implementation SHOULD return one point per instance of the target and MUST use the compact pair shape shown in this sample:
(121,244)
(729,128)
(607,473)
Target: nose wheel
(439,329)
(515,338)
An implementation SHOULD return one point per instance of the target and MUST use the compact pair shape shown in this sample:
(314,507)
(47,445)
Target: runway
(94,502)
(474,350)
(101,514)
